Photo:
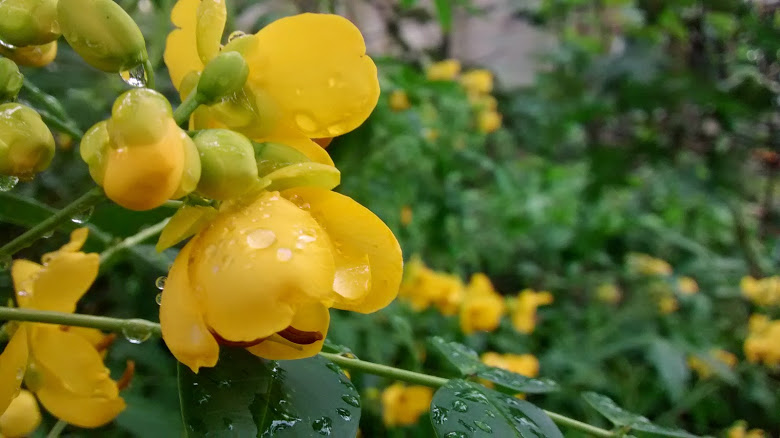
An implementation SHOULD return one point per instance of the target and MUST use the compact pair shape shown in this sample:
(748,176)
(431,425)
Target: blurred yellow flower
(668,304)
(482,307)
(523,309)
(647,265)
(22,416)
(739,430)
(64,369)
(423,288)
(403,405)
(608,293)
(399,101)
(350,258)
(477,82)
(31,56)
(687,285)
(763,342)
(446,70)
(406,215)
(488,121)
(309,74)
(525,364)
(763,292)
(704,370)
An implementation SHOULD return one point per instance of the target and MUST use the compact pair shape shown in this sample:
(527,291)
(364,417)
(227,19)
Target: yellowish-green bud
(28,22)
(26,144)
(228,168)
(192,169)
(272,156)
(94,150)
(11,79)
(102,33)
(223,76)
(31,56)
(139,116)
(302,175)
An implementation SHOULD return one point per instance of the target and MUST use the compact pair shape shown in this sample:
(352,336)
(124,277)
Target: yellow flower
(62,367)
(477,82)
(265,271)
(687,285)
(403,405)
(423,287)
(22,416)
(446,70)
(309,75)
(668,304)
(488,121)
(482,307)
(523,309)
(31,56)
(647,265)
(525,364)
(763,292)
(399,101)
(140,156)
(763,341)
(406,215)
(739,430)
(608,293)
(703,369)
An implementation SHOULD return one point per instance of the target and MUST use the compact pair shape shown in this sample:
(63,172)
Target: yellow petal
(13,363)
(187,221)
(181,319)
(315,68)
(22,416)
(303,175)
(71,361)
(82,410)
(353,228)
(312,317)
(306,146)
(211,17)
(63,281)
(248,267)
(23,273)
(77,239)
(181,53)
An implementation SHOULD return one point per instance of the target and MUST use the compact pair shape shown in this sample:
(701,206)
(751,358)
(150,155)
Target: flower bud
(102,33)
(93,149)
(302,175)
(272,156)
(10,79)
(32,56)
(28,22)
(139,116)
(223,76)
(26,144)
(228,164)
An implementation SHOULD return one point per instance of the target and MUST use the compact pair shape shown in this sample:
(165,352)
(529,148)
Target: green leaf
(463,409)
(634,422)
(247,396)
(444,12)
(469,365)
(671,365)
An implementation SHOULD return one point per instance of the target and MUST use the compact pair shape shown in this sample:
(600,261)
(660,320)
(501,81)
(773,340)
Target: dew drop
(459,406)
(160,283)
(7,45)
(456,434)
(261,238)
(322,425)
(47,235)
(305,122)
(283,254)
(135,334)
(483,426)
(82,216)
(135,77)
(234,35)
(5,262)
(438,414)
(158,299)
(8,182)
(351,400)
(343,413)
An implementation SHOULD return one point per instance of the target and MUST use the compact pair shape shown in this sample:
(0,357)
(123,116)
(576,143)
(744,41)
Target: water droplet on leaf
(8,182)
(343,413)
(82,216)
(351,400)
(483,426)
(459,406)
(322,425)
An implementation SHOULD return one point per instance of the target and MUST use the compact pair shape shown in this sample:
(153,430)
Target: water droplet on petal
(305,122)
(135,77)
(82,216)
(158,299)
(260,238)
(8,182)
(234,35)
(160,283)
(283,254)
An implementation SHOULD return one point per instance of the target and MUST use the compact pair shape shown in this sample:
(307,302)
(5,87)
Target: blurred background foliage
(651,127)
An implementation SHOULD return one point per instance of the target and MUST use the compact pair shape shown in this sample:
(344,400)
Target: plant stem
(149,73)
(61,126)
(173,204)
(57,429)
(141,326)
(41,98)
(183,112)
(87,200)
(133,240)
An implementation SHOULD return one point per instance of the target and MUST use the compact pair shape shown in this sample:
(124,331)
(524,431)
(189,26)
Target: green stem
(146,328)
(48,101)
(87,200)
(183,112)
(149,68)
(173,204)
(133,240)
(61,126)
(57,429)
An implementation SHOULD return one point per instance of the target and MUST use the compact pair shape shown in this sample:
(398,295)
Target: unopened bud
(26,144)
(10,79)
(139,116)
(272,156)
(302,175)
(102,33)
(223,76)
(94,149)
(31,56)
(28,22)
(228,167)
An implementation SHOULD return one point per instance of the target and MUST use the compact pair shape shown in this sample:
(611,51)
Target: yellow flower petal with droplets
(350,225)
(183,328)
(181,53)
(23,273)
(315,68)
(187,221)
(260,238)
(22,416)
(303,175)
(210,25)
(82,410)
(63,281)
(13,363)
(312,317)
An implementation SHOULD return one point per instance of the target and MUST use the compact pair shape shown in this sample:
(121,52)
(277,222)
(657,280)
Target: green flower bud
(139,116)
(26,144)
(102,33)
(302,175)
(223,76)
(192,169)
(228,168)
(28,22)
(10,79)
(273,156)
(93,149)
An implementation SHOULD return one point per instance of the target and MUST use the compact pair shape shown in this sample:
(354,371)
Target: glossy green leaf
(468,363)
(635,423)
(247,396)
(463,409)
(669,361)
